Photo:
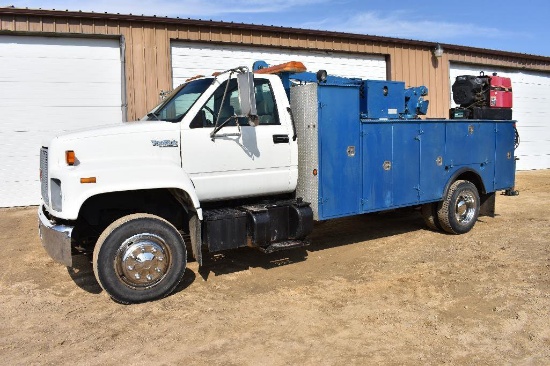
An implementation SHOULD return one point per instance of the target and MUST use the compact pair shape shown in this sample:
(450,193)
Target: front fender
(117,178)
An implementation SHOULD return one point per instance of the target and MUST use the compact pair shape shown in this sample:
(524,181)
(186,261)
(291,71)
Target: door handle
(280,139)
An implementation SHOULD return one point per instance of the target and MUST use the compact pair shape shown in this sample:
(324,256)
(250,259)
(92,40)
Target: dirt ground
(373,289)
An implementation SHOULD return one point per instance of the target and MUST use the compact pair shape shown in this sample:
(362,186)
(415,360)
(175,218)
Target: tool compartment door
(339,151)
(406,163)
(433,176)
(377,153)
(505,162)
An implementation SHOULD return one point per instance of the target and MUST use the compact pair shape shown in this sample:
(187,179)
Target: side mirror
(247,98)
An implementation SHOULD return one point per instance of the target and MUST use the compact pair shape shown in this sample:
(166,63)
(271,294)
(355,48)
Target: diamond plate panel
(304,104)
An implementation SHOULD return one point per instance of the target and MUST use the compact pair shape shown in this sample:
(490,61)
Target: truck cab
(196,149)
(239,159)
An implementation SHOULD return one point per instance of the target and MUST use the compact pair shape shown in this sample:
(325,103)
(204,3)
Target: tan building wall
(147,49)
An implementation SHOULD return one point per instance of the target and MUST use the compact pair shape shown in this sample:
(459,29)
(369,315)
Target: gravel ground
(372,289)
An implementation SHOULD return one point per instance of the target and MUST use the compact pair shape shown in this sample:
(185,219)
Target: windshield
(178,104)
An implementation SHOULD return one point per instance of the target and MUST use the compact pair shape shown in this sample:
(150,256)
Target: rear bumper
(56,239)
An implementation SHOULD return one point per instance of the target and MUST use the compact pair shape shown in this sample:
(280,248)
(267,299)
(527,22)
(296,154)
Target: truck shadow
(82,274)
(326,234)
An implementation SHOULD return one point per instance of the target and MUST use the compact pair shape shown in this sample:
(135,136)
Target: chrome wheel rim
(465,208)
(142,261)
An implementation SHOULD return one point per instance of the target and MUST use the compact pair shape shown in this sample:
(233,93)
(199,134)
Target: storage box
(382,99)
(224,229)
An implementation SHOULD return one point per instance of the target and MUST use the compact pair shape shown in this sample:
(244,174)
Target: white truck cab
(196,147)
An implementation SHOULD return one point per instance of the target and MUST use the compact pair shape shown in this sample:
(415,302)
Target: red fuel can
(500,92)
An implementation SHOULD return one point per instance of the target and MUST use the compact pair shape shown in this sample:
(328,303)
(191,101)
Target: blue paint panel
(401,163)
(432,174)
(470,142)
(377,148)
(406,162)
(339,167)
(505,163)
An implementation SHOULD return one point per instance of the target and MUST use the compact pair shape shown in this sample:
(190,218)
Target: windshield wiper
(153,114)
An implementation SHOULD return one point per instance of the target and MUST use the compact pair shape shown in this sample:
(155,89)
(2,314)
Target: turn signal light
(87,180)
(70,157)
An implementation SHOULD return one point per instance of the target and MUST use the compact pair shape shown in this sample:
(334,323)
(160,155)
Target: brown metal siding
(148,65)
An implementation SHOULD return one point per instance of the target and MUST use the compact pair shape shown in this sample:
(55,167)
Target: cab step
(283,245)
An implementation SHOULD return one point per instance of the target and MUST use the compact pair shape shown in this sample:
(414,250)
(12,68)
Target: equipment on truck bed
(482,97)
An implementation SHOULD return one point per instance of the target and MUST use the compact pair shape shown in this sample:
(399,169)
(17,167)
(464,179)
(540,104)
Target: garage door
(189,60)
(48,86)
(531,101)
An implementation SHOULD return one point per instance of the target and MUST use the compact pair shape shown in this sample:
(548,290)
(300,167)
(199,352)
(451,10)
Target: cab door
(239,160)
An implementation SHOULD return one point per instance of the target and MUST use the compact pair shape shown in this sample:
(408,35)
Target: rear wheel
(459,210)
(429,214)
(138,258)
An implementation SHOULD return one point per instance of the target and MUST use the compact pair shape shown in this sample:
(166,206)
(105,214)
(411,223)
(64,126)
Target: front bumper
(56,239)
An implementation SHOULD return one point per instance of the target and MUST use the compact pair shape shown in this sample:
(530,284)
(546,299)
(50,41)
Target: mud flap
(487,205)
(196,237)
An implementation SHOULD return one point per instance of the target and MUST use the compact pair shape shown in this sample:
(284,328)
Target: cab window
(228,107)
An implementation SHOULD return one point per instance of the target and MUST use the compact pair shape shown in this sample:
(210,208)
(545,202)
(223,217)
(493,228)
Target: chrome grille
(44,174)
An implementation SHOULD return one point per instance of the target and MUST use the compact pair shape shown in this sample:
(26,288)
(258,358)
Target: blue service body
(372,156)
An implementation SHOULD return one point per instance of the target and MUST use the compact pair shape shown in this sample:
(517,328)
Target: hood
(122,128)
(139,142)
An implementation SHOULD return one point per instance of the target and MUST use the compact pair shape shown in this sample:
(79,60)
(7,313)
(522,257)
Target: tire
(429,214)
(459,210)
(139,258)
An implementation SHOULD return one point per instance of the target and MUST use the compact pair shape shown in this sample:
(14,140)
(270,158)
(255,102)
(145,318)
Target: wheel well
(101,210)
(470,176)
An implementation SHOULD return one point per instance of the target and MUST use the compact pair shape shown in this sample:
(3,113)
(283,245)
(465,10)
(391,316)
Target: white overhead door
(191,59)
(530,104)
(50,85)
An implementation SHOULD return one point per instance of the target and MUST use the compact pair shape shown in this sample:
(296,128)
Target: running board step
(283,245)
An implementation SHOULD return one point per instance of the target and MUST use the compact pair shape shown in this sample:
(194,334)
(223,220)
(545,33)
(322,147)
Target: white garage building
(62,71)
(47,85)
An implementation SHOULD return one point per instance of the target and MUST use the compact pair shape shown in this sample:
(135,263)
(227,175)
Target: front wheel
(138,258)
(459,210)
